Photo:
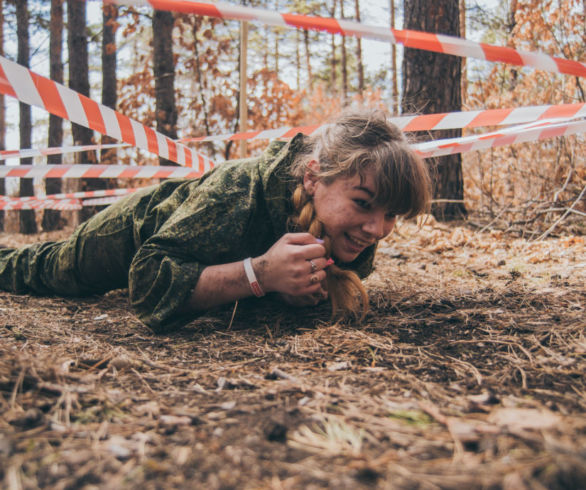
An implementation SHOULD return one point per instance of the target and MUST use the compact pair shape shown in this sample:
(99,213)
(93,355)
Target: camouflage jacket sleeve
(218,219)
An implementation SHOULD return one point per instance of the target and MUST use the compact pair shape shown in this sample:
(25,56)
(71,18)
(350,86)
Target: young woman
(302,221)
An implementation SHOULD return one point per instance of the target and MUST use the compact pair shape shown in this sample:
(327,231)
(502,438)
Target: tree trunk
(395,85)
(2,115)
(333,60)
(164,72)
(308,59)
(79,81)
(359,52)
(432,83)
(276,50)
(28,224)
(109,81)
(464,68)
(297,60)
(344,60)
(52,217)
(512,22)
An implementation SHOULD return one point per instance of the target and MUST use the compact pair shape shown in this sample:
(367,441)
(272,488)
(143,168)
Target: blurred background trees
(180,74)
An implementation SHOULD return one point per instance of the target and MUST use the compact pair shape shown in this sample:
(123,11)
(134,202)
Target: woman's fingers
(302,239)
(293,265)
(318,264)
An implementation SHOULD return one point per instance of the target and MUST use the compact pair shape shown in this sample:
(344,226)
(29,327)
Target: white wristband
(254,285)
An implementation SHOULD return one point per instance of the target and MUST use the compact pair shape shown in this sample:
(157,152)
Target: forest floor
(468,372)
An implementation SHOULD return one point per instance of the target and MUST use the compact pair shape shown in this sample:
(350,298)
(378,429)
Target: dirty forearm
(220,284)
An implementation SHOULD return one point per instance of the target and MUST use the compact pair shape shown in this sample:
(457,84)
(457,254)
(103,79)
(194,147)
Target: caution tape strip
(56,150)
(60,204)
(438,43)
(33,89)
(77,195)
(526,133)
(101,201)
(517,134)
(84,171)
(427,122)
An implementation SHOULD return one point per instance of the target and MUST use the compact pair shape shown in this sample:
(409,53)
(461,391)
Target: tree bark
(79,81)
(109,80)
(395,85)
(359,51)
(308,59)
(297,60)
(164,72)
(432,83)
(52,217)
(2,115)
(333,60)
(464,82)
(28,224)
(344,60)
(276,49)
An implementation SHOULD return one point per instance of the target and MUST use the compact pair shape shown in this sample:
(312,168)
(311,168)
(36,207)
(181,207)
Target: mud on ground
(468,372)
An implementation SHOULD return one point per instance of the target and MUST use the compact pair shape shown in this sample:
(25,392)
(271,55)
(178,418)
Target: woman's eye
(362,203)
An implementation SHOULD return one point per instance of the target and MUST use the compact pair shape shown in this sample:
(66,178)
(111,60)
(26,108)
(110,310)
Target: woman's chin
(345,256)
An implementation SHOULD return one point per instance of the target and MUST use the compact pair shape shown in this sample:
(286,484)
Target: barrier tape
(517,134)
(427,122)
(69,204)
(101,201)
(438,43)
(530,132)
(84,171)
(98,193)
(33,89)
(56,150)
(77,195)
(480,142)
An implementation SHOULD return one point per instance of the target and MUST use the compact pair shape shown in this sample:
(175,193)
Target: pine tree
(431,83)
(28,224)
(51,217)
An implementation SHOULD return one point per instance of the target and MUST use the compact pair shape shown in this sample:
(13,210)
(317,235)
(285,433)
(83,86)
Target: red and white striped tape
(517,134)
(61,204)
(438,43)
(523,134)
(425,122)
(77,195)
(101,201)
(33,89)
(56,150)
(81,171)
(98,193)
(428,122)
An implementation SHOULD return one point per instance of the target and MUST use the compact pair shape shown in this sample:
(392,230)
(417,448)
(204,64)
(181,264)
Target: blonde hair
(353,144)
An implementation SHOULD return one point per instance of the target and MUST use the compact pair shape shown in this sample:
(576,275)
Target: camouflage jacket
(157,241)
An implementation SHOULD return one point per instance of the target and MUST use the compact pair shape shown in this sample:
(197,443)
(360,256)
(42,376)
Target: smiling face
(346,209)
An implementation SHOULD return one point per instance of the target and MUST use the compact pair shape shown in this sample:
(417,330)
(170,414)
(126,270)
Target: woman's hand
(294,266)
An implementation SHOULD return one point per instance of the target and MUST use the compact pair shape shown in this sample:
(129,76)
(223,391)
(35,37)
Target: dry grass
(467,373)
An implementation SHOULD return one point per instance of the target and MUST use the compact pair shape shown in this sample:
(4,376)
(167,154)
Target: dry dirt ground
(468,372)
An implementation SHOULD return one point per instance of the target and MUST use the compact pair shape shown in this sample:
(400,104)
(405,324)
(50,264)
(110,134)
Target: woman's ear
(310,177)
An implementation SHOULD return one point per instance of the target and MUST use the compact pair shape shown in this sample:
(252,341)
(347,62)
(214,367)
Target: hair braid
(345,289)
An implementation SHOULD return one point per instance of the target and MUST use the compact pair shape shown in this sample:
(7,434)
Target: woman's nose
(377,226)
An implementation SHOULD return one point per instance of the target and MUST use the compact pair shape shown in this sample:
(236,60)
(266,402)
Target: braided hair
(354,144)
